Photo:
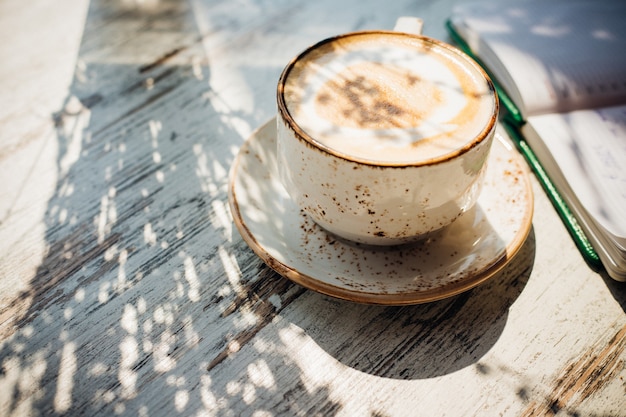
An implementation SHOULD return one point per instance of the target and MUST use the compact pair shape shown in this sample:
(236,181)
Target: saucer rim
(396,299)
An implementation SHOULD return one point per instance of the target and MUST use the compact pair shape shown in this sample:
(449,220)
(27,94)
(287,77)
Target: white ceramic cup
(383,135)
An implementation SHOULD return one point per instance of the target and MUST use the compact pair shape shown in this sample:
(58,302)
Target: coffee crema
(388,97)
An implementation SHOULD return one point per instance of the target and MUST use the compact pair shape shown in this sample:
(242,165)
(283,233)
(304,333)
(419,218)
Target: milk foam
(385,97)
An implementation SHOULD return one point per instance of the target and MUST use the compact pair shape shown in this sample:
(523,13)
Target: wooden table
(125,288)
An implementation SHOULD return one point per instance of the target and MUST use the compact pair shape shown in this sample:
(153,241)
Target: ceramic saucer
(468,252)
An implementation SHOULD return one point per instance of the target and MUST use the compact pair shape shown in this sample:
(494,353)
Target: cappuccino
(388,98)
(382,137)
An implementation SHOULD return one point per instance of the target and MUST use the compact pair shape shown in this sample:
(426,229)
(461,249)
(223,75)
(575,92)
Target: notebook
(560,71)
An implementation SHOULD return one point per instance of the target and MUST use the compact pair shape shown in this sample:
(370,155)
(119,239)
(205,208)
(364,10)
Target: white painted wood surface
(126,290)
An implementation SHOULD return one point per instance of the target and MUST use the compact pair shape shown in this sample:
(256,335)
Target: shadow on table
(427,340)
(617,289)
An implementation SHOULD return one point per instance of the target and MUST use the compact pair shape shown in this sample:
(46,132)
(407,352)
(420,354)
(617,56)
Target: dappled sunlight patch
(163,362)
(260,375)
(181,398)
(193,282)
(128,358)
(65,381)
(128,321)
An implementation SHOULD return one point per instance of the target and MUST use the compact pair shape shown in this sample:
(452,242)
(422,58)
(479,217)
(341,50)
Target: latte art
(386,98)
(394,98)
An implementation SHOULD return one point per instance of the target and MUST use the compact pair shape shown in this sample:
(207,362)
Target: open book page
(589,147)
(550,56)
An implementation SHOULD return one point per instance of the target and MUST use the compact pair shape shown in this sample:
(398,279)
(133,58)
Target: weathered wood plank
(126,290)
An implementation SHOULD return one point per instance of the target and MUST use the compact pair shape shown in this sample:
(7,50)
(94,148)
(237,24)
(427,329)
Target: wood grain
(125,288)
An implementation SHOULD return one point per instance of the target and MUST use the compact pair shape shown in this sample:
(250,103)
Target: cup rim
(285,115)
